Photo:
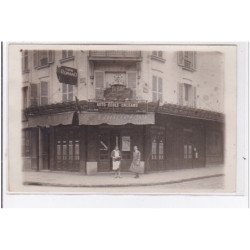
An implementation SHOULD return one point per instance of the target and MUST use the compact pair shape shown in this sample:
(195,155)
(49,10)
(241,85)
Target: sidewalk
(68,179)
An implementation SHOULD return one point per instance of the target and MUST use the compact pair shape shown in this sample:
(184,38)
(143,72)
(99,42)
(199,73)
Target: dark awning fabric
(91,118)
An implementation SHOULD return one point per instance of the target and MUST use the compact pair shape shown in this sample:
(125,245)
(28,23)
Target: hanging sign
(67,75)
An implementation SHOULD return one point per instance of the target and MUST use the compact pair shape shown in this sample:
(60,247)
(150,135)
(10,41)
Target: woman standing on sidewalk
(116,161)
(135,165)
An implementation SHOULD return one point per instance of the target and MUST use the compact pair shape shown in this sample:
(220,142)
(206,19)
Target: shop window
(104,147)
(126,147)
(188,151)
(43,57)
(44,93)
(161,150)
(154,149)
(157,89)
(67,92)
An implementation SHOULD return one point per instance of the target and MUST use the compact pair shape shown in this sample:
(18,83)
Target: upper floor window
(43,57)
(33,94)
(187,95)
(25,61)
(44,93)
(25,97)
(157,89)
(67,54)
(187,60)
(158,55)
(67,92)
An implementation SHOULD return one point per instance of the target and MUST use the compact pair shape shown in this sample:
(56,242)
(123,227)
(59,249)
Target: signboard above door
(67,75)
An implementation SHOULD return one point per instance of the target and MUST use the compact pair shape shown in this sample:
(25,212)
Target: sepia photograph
(122,119)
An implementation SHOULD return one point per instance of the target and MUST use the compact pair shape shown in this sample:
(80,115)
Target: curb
(33,183)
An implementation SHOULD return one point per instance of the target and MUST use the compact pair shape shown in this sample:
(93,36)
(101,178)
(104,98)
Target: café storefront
(79,136)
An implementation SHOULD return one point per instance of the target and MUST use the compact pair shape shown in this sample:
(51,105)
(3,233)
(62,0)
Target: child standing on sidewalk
(116,161)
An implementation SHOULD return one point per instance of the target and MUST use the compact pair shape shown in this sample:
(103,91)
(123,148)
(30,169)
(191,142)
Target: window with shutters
(131,82)
(25,61)
(43,58)
(158,55)
(67,92)
(99,84)
(33,95)
(187,60)
(44,93)
(67,54)
(157,89)
(187,95)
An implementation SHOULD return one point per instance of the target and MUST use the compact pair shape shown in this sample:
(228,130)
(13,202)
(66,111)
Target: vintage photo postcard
(122,119)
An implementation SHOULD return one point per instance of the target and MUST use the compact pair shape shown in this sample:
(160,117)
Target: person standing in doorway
(135,165)
(116,161)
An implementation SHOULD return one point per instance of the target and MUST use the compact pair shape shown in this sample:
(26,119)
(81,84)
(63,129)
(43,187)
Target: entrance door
(188,149)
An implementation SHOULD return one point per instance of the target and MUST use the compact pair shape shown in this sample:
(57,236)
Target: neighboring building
(169,104)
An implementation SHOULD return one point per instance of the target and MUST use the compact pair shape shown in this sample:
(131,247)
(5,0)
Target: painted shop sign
(116,106)
(67,75)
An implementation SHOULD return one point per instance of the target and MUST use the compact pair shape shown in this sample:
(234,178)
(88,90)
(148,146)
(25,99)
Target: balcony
(118,55)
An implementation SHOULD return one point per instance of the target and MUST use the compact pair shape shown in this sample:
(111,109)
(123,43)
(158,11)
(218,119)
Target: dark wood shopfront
(125,137)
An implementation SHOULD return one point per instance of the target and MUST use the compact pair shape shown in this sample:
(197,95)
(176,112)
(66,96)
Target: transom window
(157,89)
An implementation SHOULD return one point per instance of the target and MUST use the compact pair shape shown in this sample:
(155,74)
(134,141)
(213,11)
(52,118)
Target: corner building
(78,105)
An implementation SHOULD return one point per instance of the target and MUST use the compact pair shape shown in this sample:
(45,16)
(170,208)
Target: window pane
(65,97)
(70,88)
(44,89)
(70,53)
(64,54)
(70,97)
(125,143)
(154,150)
(159,84)
(159,53)
(160,97)
(161,150)
(154,97)
(154,53)
(154,87)
(64,88)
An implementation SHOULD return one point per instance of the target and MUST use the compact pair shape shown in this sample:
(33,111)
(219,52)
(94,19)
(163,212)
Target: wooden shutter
(180,58)
(35,58)
(194,91)
(131,77)
(154,89)
(194,60)
(33,95)
(44,93)
(51,56)
(180,93)
(160,89)
(99,84)
(64,92)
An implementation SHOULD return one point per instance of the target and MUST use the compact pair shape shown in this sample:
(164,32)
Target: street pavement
(198,179)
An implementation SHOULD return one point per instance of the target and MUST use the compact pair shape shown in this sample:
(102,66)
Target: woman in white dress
(116,161)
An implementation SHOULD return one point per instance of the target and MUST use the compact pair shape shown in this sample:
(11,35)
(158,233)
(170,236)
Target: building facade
(78,105)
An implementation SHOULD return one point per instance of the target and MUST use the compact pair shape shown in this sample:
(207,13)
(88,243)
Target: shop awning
(91,118)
